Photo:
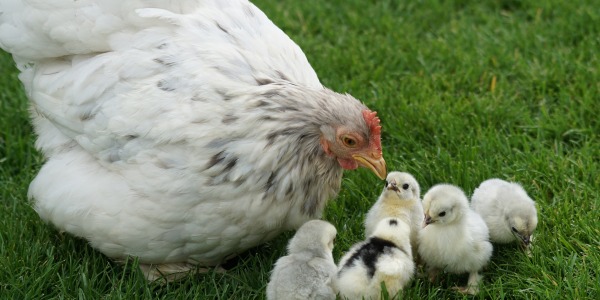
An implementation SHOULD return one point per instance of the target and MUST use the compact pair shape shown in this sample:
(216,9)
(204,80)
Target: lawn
(466,91)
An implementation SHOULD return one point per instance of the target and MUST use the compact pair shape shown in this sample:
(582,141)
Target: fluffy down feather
(308,271)
(507,210)
(179,132)
(454,238)
(384,257)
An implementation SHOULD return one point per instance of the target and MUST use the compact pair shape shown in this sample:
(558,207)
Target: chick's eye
(514,230)
(349,142)
(442,214)
(405,186)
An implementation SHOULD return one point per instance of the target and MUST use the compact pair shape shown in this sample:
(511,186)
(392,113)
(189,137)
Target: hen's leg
(173,271)
(168,272)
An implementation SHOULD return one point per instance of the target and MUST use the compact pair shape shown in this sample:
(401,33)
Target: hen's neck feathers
(295,118)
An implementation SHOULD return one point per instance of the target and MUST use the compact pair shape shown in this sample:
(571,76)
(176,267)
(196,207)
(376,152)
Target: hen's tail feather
(35,30)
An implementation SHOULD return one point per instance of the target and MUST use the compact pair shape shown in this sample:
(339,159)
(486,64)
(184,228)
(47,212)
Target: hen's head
(356,144)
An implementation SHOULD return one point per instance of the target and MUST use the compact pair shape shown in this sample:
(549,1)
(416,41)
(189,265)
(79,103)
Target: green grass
(466,90)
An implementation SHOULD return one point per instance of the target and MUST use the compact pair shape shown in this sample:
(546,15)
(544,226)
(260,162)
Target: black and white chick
(385,257)
(400,198)
(308,271)
(454,237)
(508,211)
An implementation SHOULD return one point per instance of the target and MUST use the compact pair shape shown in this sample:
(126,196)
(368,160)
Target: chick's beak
(372,161)
(391,185)
(427,221)
(526,239)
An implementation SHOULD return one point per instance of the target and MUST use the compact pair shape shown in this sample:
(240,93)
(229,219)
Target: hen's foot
(164,273)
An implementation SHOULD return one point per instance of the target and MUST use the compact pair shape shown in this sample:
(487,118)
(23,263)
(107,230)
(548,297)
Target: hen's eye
(405,186)
(349,142)
(442,214)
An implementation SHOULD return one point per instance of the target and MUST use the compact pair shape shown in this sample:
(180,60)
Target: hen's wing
(78,56)
(102,73)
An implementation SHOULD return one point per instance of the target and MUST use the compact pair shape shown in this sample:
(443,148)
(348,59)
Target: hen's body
(184,133)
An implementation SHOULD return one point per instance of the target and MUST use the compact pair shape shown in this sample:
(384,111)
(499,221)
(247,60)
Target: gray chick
(308,271)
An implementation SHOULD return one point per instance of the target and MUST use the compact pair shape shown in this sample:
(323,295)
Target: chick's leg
(472,287)
(433,273)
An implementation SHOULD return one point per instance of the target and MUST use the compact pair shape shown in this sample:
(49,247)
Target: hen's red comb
(373,122)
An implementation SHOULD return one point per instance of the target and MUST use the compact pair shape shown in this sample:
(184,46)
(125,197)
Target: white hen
(180,132)
(507,210)
(454,238)
(400,198)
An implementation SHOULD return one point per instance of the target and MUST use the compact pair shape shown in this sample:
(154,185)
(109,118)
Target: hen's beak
(372,161)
